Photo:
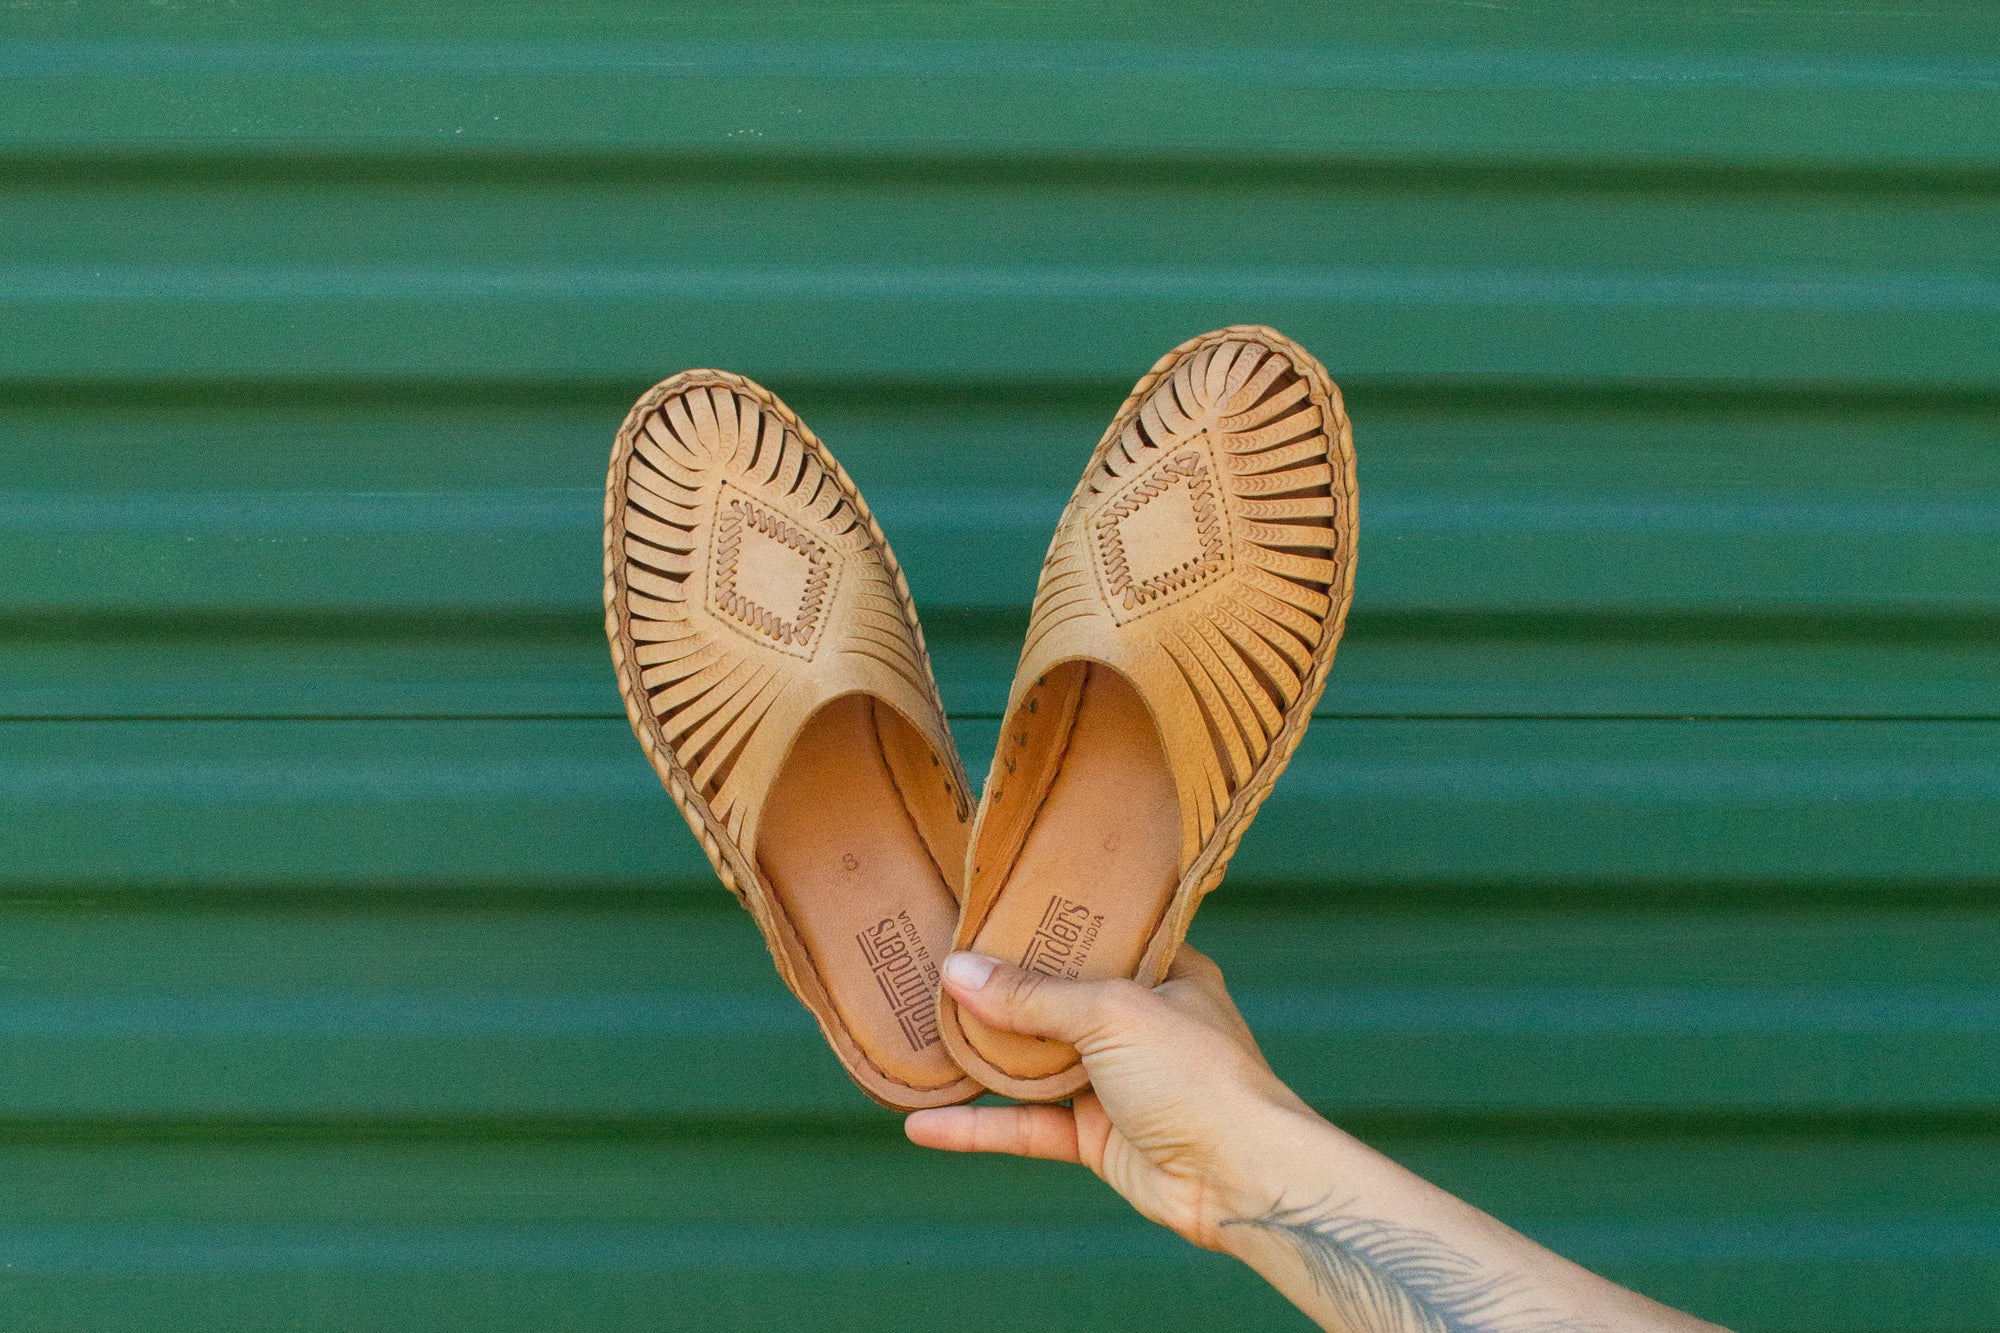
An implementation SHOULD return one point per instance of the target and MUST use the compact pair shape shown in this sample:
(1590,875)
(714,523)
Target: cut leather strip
(775,675)
(1188,613)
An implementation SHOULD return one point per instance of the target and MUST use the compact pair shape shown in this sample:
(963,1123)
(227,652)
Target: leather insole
(1097,869)
(857,882)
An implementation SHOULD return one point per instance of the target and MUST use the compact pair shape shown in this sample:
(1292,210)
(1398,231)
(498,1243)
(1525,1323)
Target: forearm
(1364,1246)
(1188,1122)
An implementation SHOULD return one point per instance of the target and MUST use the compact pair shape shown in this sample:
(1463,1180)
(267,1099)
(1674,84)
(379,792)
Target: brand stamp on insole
(1063,939)
(906,974)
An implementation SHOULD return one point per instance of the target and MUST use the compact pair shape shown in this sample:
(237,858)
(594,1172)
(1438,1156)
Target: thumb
(1016,1000)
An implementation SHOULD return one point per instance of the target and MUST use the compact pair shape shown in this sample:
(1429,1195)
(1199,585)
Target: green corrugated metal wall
(1640,880)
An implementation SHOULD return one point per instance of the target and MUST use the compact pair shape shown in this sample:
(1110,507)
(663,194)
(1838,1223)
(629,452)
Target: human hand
(1187,1121)
(1182,1110)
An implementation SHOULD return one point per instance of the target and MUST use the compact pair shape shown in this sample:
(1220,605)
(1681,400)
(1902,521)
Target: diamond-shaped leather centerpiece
(770,579)
(1161,537)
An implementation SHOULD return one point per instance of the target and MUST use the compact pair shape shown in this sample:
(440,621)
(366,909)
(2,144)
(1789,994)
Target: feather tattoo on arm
(1381,1278)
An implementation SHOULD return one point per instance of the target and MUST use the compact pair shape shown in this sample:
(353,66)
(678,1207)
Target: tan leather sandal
(1187,614)
(775,674)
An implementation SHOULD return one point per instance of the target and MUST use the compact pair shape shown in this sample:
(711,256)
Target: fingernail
(969,970)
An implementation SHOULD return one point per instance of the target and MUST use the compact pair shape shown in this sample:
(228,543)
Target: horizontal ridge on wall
(1532,552)
(466,806)
(1497,1021)
(517,552)
(1895,335)
(966,99)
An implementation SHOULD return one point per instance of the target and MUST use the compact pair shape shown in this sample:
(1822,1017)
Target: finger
(1194,978)
(1015,1000)
(1047,1132)
(1093,1129)
(1192,965)
(1194,971)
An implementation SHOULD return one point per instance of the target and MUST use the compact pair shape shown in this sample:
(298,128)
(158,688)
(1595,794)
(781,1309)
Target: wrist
(1263,1159)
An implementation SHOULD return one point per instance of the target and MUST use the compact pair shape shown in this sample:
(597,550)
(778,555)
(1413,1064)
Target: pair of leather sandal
(775,674)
